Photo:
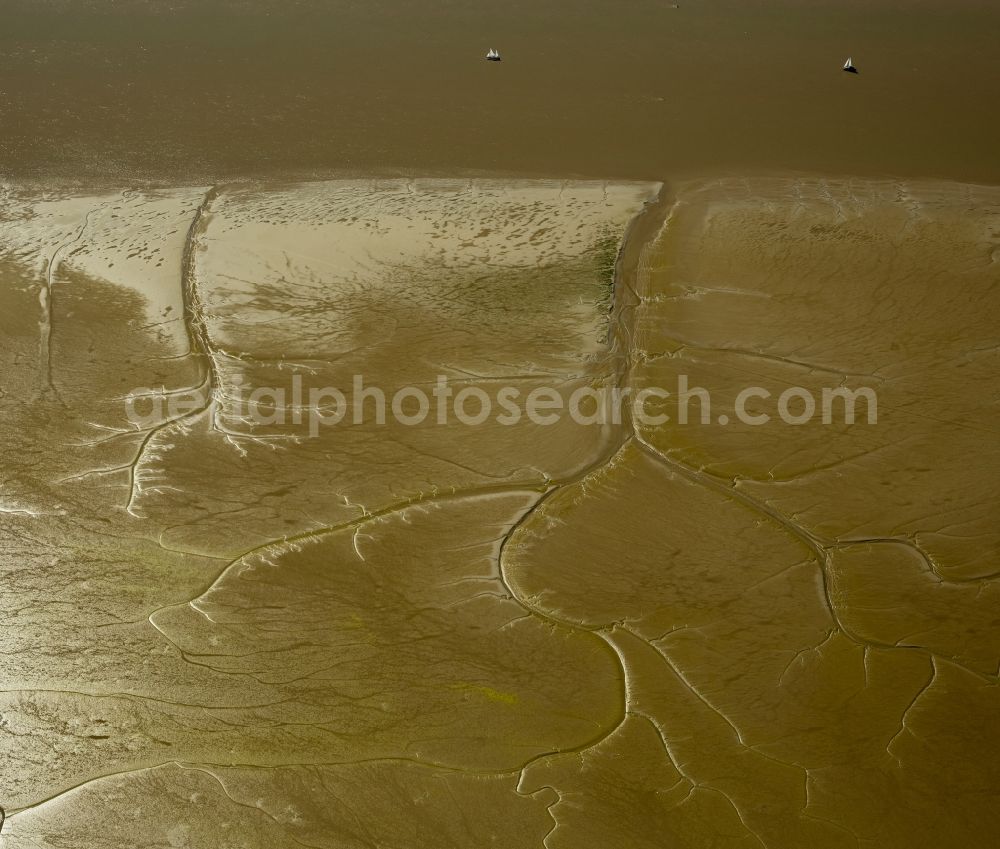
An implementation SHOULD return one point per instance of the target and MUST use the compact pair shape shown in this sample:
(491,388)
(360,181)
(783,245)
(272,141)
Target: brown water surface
(209,90)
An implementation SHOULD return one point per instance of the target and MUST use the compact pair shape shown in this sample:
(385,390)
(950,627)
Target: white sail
(849,63)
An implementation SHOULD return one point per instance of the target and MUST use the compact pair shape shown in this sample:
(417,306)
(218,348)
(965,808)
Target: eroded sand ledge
(744,636)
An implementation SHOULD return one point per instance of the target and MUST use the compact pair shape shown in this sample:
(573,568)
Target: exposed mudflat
(219,630)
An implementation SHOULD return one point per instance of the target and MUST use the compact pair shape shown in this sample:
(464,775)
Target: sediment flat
(259,634)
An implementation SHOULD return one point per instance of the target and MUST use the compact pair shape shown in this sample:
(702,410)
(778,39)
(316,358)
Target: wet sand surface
(220,632)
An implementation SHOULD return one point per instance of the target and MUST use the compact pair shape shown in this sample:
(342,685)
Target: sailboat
(493,56)
(849,66)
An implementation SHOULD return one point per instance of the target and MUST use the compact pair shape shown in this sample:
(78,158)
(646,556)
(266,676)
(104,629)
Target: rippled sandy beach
(219,631)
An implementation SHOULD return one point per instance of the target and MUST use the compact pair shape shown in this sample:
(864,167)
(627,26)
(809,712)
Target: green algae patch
(489,693)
